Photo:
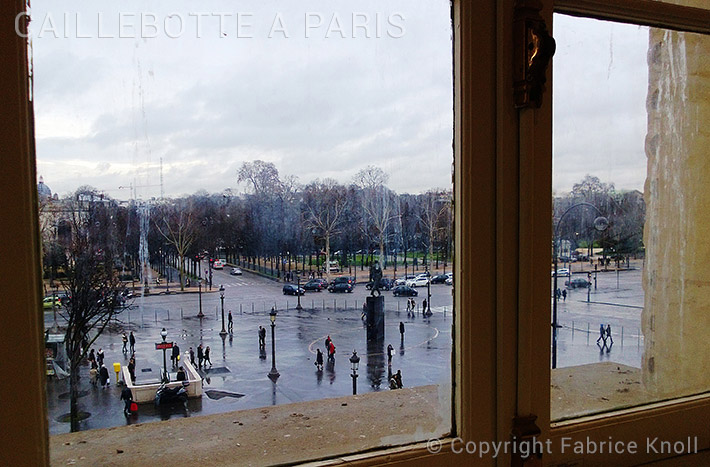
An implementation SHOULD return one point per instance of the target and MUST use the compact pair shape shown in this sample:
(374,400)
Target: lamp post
(223,332)
(273,374)
(600,224)
(298,290)
(354,364)
(199,296)
(55,326)
(427,312)
(164,334)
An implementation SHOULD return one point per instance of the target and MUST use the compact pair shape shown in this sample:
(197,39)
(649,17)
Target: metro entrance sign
(163,345)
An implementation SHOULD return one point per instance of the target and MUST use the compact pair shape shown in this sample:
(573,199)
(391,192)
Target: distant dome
(43,190)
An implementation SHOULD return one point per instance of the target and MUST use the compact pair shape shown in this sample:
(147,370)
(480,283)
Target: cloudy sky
(319,88)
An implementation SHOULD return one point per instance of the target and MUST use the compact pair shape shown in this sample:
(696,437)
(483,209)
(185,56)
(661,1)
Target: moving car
(385,284)
(236,272)
(561,272)
(218,264)
(49,302)
(316,285)
(290,289)
(342,284)
(441,278)
(419,281)
(577,283)
(404,291)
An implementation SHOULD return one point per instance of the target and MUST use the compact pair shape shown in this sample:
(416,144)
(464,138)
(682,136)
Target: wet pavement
(238,378)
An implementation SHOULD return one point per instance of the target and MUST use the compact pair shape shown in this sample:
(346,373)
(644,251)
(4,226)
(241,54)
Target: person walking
(319,360)
(103,376)
(602,334)
(127,398)
(94,374)
(390,352)
(262,337)
(409,307)
(230,322)
(124,339)
(401,330)
(608,334)
(192,357)
(132,342)
(424,307)
(92,356)
(174,356)
(207,356)
(564,295)
(100,357)
(398,379)
(331,352)
(181,375)
(200,356)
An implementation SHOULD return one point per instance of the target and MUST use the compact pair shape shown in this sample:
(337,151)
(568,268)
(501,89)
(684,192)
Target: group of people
(203,356)
(129,339)
(604,334)
(561,294)
(330,348)
(98,372)
(412,307)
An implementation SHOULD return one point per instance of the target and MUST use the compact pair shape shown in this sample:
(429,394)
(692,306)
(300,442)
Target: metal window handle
(534,47)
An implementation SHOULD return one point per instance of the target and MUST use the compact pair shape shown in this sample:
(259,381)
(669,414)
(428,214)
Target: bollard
(638,337)
(180,312)
(252,308)
(156,315)
(587,328)
(287,304)
(333,304)
(397,306)
(240,308)
(129,316)
(323,304)
(168,315)
(346,303)
(572,328)
(622,336)
(313,304)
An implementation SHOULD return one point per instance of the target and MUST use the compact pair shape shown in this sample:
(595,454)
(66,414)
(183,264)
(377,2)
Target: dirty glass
(628,282)
(229,178)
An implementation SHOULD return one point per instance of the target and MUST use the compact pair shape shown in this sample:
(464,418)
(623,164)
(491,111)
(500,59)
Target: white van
(332,266)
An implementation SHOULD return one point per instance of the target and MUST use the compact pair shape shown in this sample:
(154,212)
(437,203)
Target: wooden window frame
(502,211)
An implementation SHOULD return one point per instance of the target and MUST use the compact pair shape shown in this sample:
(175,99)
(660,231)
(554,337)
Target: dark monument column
(375,318)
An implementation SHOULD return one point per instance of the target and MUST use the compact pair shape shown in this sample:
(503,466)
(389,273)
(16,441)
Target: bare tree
(262,177)
(378,205)
(178,226)
(323,205)
(434,207)
(91,282)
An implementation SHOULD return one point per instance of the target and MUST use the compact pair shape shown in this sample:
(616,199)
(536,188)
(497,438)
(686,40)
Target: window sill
(272,435)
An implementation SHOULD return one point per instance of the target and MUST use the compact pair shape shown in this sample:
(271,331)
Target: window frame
(502,172)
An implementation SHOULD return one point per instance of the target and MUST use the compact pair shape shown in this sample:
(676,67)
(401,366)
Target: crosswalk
(239,283)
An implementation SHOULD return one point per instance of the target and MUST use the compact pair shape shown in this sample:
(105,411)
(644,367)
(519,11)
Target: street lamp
(199,296)
(600,224)
(164,334)
(55,326)
(298,291)
(221,297)
(427,312)
(354,364)
(273,374)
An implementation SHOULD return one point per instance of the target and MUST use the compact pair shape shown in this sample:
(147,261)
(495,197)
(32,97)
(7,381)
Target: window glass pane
(691,3)
(629,296)
(213,164)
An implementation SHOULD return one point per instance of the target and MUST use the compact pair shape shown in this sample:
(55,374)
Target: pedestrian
(401,329)
(124,339)
(608,333)
(100,357)
(175,355)
(132,369)
(327,345)
(181,375)
(93,374)
(127,398)
(103,376)
(319,360)
(409,306)
(558,293)
(132,342)
(424,306)
(390,352)
(398,379)
(207,356)
(230,322)
(564,295)
(192,357)
(92,356)
(262,337)
(331,352)
(200,356)
(187,282)
(602,334)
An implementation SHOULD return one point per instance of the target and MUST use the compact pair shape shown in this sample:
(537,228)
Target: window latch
(533,49)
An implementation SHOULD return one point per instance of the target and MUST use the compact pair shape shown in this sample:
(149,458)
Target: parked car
(404,291)
(561,272)
(342,284)
(403,280)
(577,283)
(440,279)
(218,264)
(419,281)
(290,289)
(332,265)
(316,285)
(385,284)
(450,280)
(236,272)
